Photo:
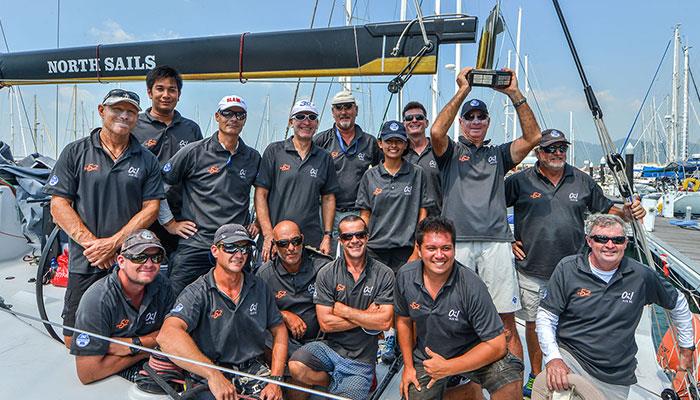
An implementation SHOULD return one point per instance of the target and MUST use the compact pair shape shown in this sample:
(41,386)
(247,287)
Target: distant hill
(592,151)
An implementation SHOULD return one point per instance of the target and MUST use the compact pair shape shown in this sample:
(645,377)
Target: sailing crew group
(353,237)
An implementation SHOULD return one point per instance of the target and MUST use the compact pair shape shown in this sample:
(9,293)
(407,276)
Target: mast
(458,67)
(507,114)
(75,112)
(434,89)
(517,66)
(12,119)
(684,117)
(346,80)
(21,127)
(399,95)
(36,121)
(655,139)
(673,133)
(571,135)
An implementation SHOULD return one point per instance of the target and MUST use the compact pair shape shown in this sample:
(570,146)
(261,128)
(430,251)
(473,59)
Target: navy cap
(551,136)
(393,129)
(474,104)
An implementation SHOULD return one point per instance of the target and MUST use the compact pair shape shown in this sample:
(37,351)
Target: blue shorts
(349,378)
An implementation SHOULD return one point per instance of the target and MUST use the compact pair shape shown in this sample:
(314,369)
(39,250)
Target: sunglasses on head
(124,94)
(604,239)
(349,235)
(284,243)
(240,115)
(411,117)
(143,257)
(344,106)
(232,248)
(474,117)
(301,117)
(551,149)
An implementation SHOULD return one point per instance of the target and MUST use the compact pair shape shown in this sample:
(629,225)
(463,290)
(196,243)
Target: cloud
(111,32)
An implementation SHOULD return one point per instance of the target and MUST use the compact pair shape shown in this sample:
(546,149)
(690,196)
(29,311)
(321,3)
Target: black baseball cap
(551,136)
(474,104)
(232,233)
(139,241)
(393,129)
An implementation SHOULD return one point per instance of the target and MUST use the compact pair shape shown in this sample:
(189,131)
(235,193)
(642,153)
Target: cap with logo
(232,101)
(303,106)
(474,104)
(139,241)
(232,233)
(343,97)
(393,129)
(115,96)
(551,136)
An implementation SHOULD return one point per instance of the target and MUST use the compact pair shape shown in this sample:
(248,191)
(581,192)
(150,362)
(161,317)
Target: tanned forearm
(366,215)
(446,117)
(94,368)
(404,334)
(143,219)
(330,322)
(378,317)
(262,210)
(122,350)
(280,341)
(328,211)
(174,339)
(69,221)
(480,355)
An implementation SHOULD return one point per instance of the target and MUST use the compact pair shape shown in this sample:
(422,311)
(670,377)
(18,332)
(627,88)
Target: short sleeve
(153,183)
(188,306)
(91,316)
(599,203)
(511,189)
(176,169)
(266,171)
(444,159)
(325,286)
(426,195)
(385,293)
(659,291)
(376,152)
(274,317)
(63,181)
(507,158)
(482,312)
(555,299)
(331,182)
(363,201)
(400,304)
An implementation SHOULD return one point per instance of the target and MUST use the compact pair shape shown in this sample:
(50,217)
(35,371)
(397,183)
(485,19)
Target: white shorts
(609,391)
(531,288)
(493,262)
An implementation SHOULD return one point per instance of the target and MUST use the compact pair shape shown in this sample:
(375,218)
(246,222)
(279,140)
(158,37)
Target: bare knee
(298,370)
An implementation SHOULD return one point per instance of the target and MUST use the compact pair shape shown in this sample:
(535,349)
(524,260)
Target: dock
(680,245)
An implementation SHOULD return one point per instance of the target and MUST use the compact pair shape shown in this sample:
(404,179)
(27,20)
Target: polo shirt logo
(284,167)
(313,172)
(573,196)
(177,308)
(312,289)
(627,297)
(151,317)
(339,287)
(253,310)
(213,169)
(91,168)
(361,156)
(217,313)
(453,315)
(123,324)
(150,143)
(280,294)
(53,181)
(407,189)
(82,340)
(583,292)
(535,195)
(335,154)
(432,164)
(242,173)
(133,172)
(167,167)
(414,306)
(183,143)
(367,291)
(377,191)
(492,160)
(464,158)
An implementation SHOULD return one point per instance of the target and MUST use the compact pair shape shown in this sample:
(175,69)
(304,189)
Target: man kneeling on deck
(129,305)
(457,328)
(591,308)
(222,317)
(354,296)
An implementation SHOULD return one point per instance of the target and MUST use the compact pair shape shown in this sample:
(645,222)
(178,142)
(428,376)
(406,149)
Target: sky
(620,44)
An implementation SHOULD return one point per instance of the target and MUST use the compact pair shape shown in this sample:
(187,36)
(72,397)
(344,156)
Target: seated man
(592,306)
(457,330)
(129,305)
(354,296)
(222,317)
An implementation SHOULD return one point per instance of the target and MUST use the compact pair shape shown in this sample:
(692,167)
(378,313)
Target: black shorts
(78,284)
(393,258)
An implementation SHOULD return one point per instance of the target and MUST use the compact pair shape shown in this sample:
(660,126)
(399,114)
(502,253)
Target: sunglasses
(284,243)
(474,117)
(301,117)
(232,248)
(411,117)
(344,106)
(348,236)
(240,115)
(124,94)
(551,149)
(142,258)
(604,239)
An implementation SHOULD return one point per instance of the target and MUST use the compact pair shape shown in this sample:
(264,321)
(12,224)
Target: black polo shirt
(431,172)
(549,219)
(164,141)
(105,310)
(461,316)
(105,194)
(473,189)
(296,186)
(216,185)
(597,321)
(395,203)
(375,285)
(295,292)
(351,161)
(225,332)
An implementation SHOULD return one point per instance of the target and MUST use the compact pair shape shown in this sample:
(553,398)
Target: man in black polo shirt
(420,152)
(550,200)
(457,328)
(354,302)
(128,305)
(353,152)
(102,188)
(216,175)
(294,174)
(222,319)
(473,192)
(591,308)
(163,131)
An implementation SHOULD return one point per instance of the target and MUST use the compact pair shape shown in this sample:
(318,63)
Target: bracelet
(327,233)
(137,341)
(519,103)
(278,378)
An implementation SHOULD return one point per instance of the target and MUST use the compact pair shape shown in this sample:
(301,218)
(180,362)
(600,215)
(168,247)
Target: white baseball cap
(303,106)
(232,101)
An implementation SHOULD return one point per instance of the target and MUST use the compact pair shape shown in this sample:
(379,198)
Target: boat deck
(684,240)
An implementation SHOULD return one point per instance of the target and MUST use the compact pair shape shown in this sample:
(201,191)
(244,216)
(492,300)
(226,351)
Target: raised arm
(531,130)
(444,120)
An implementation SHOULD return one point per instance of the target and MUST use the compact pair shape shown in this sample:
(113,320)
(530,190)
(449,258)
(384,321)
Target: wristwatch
(519,102)
(327,233)
(278,378)
(137,341)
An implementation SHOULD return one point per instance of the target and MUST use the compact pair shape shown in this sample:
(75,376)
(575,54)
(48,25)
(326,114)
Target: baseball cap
(343,97)
(303,106)
(473,104)
(115,96)
(139,241)
(551,136)
(393,129)
(232,233)
(231,101)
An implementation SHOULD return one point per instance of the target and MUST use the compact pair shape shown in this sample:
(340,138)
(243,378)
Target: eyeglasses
(142,258)
(348,236)
(551,149)
(301,117)
(411,117)
(240,115)
(344,106)
(122,93)
(474,117)
(232,248)
(604,239)
(284,243)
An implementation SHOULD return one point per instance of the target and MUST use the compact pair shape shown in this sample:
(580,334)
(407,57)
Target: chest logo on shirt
(151,317)
(91,168)
(150,143)
(133,172)
(217,313)
(573,196)
(414,306)
(339,287)
(280,294)
(123,324)
(377,191)
(285,167)
(453,315)
(407,189)
(214,169)
(183,143)
(335,154)
(367,291)
(253,310)
(463,158)
(432,164)
(361,156)
(242,173)
(583,292)
(535,195)
(627,297)
(53,181)
(311,289)
(313,172)
(492,160)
